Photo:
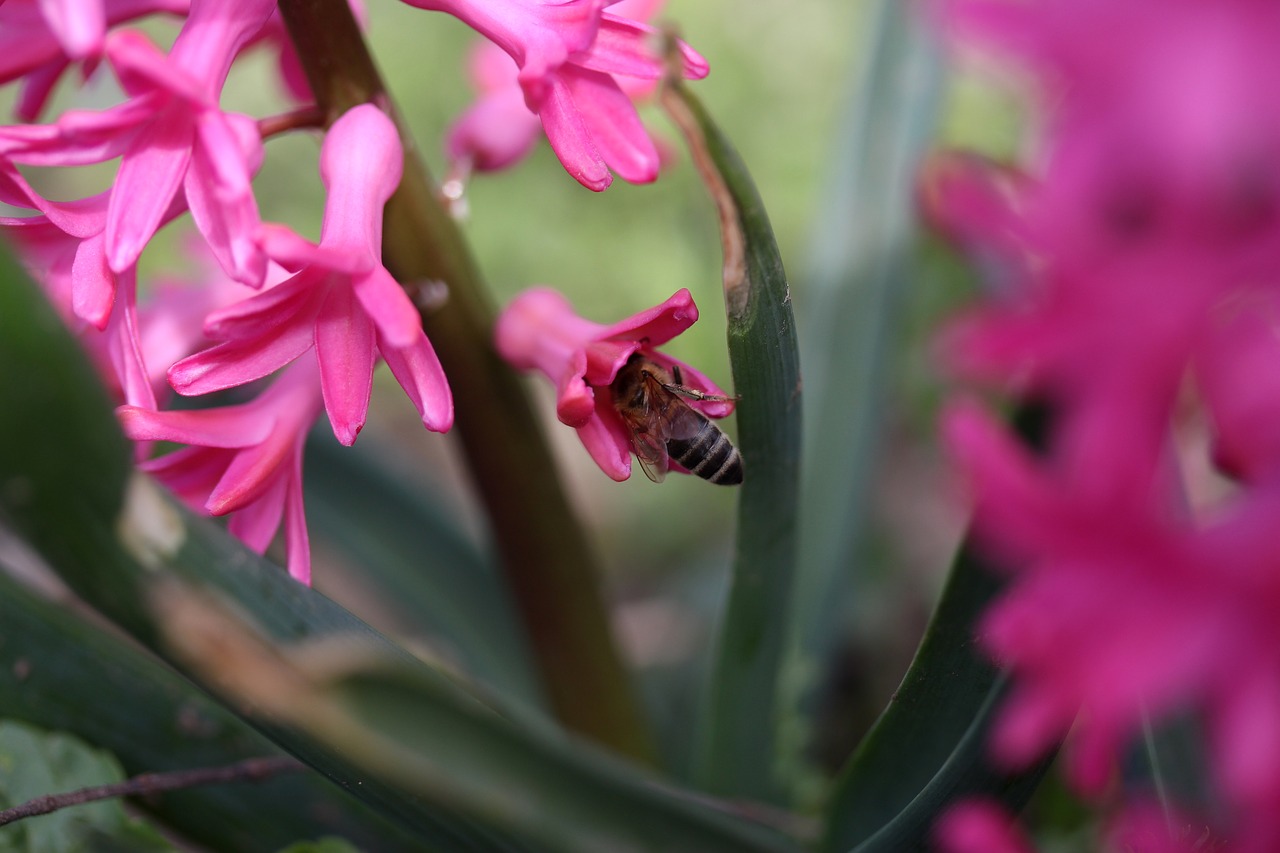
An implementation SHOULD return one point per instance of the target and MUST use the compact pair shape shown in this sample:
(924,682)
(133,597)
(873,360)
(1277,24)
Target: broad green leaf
(857,289)
(740,732)
(33,763)
(425,750)
(324,845)
(408,549)
(929,746)
(61,672)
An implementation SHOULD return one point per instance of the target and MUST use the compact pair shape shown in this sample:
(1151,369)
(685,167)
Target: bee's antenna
(675,374)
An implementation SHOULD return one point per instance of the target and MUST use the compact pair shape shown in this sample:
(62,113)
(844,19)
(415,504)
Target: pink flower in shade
(499,129)
(170,133)
(570,55)
(539,331)
(244,461)
(342,302)
(979,826)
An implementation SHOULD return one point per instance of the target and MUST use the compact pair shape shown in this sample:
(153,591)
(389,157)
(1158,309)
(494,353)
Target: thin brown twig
(249,770)
(308,117)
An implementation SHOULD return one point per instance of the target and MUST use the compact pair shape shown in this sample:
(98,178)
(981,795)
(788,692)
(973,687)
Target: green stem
(545,556)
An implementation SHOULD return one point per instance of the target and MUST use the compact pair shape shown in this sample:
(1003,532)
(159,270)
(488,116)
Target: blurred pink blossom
(979,826)
(242,460)
(1137,269)
(341,301)
(570,57)
(540,331)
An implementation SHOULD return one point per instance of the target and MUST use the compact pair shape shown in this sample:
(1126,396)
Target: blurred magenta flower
(979,826)
(1137,264)
(242,460)
(571,56)
(540,331)
(341,301)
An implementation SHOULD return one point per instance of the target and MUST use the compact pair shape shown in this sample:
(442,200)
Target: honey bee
(663,426)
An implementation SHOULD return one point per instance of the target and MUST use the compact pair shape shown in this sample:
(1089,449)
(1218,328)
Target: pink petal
(78,24)
(608,442)
(142,67)
(360,162)
(124,348)
(222,201)
(390,308)
(294,252)
(570,139)
(575,401)
(190,473)
(295,300)
(255,524)
(242,425)
(296,541)
(93,284)
(655,326)
(494,132)
(345,348)
(419,373)
(538,330)
(614,125)
(629,48)
(243,360)
(37,88)
(148,179)
(254,473)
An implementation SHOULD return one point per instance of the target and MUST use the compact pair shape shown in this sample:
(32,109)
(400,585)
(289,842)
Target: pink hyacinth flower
(540,331)
(243,460)
(499,129)
(170,134)
(571,56)
(342,302)
(41,39)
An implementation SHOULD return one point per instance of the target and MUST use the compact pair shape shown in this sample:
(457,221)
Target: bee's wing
(651,452)
(681,421)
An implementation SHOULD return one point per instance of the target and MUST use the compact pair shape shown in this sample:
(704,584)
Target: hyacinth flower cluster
(292,329)
(1135,272)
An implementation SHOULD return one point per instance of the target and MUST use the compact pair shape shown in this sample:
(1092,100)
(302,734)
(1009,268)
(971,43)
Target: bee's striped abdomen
(709,454)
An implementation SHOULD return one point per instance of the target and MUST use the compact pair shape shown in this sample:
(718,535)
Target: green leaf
(408,548)
(439,758)
(862,266)
(929,746)
(739,741)
(324,845)
(55,666)
(34,763)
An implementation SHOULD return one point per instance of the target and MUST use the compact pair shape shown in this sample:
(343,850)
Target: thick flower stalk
(540,331)
(1138,272)
(571,58)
